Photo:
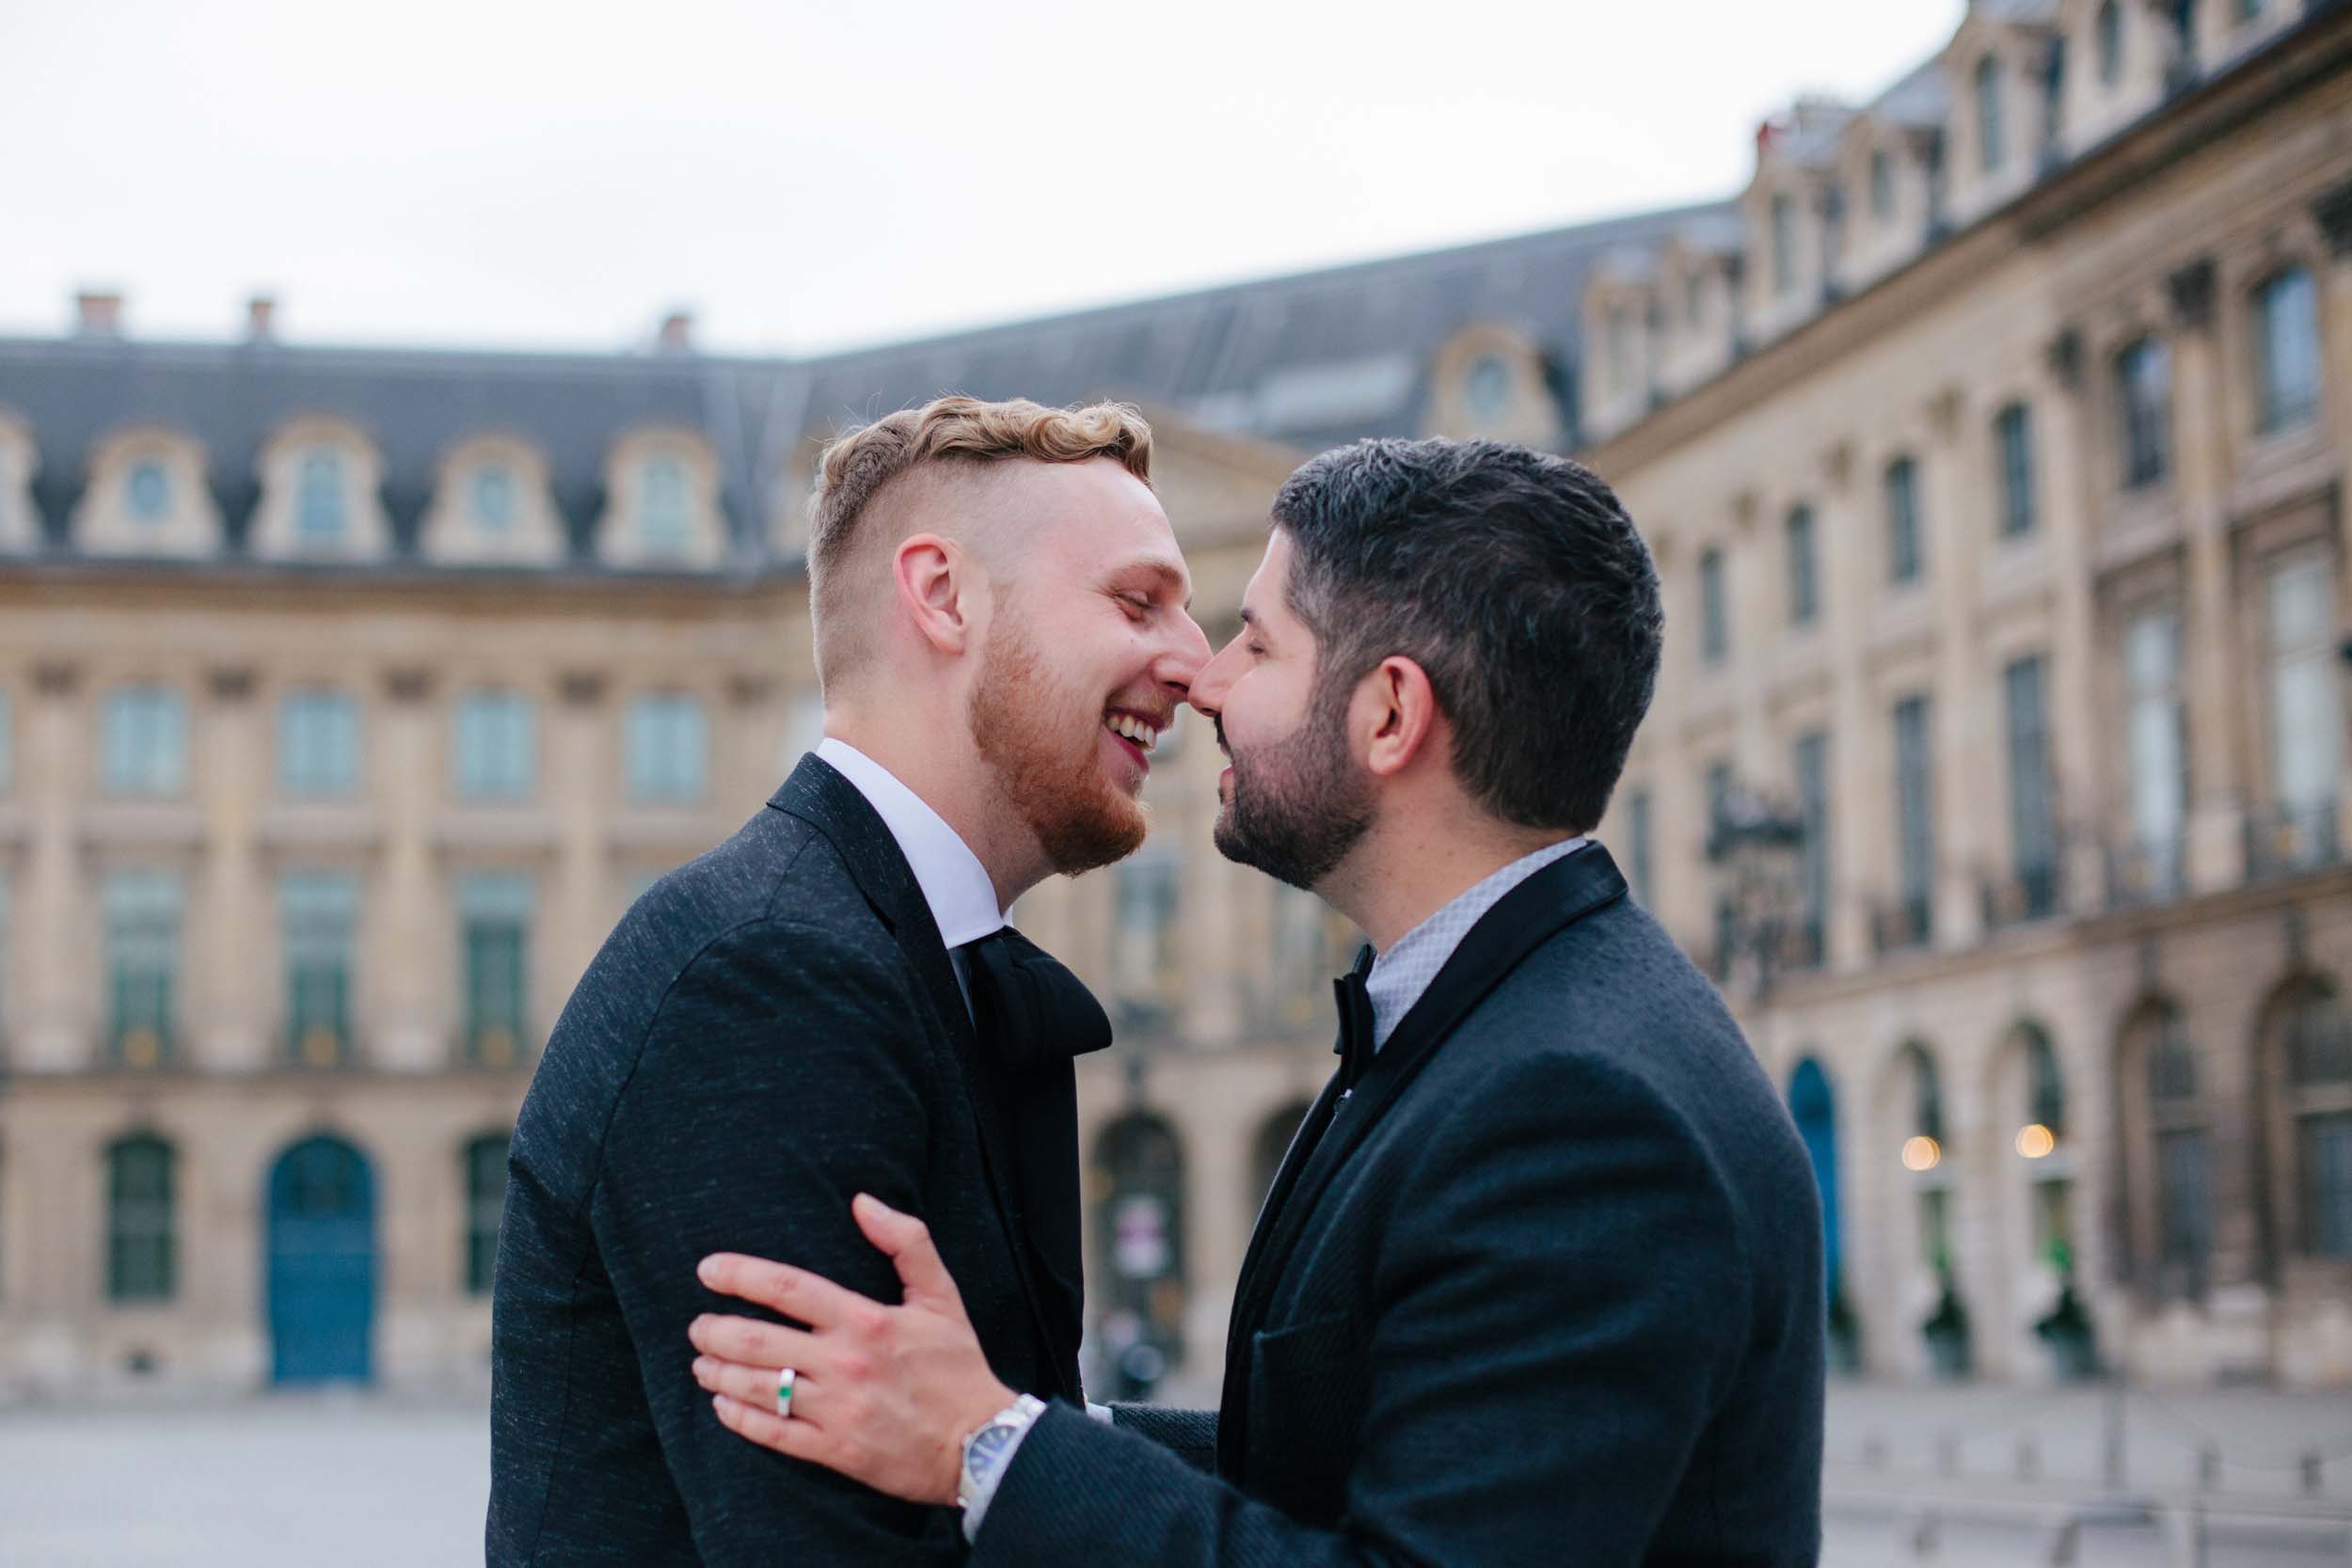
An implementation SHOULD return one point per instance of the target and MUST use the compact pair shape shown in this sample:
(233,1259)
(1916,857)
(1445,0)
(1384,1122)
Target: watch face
(987,1445)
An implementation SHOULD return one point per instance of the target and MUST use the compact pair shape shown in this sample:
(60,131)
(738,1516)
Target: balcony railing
(2146,871)
(1900,924)
(2022,895)
(2287,839)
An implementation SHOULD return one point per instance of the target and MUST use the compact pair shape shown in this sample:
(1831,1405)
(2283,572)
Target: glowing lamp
(2036,1142)
(1922,1153)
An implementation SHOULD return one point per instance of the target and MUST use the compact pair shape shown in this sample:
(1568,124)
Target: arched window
(485,1206)
(1992,135)
(2312,1057)
(494,498)
(661,506)
(148,488)
(2111,43)
(141,1247)
(1274,1141)
(1487,385)
(1139,1236)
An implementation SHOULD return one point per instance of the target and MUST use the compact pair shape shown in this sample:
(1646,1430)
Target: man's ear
(1393,717)
(941,589)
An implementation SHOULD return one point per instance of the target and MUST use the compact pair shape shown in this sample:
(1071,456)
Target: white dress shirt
(955,885)
(1401,974)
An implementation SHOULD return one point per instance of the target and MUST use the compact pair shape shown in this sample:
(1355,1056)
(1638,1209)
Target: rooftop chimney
(260,319)
(98,314)
(677,333)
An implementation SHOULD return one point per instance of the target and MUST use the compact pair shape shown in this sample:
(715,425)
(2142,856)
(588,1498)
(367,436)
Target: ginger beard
(1297,805)
(1045,741)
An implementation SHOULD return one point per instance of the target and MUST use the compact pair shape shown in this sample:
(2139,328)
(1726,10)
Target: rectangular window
(661,506)
(2014,435)
(1915,817)
(1143,941)
(1726,913)
(498,746)
(2287,350)
(2326,1159)
(1812,773)
(1881,186)
(4,955)
(1302,960)
(1714,609)
(2143,400)
(494,909)
(2032,809)
(1639,831)
(318,743)
(8,745)
(2159,751)
(320,504)
(2183,1205)
(1905,555)
(319,920)
(667,744)
(1935,1230)
(141,912)
(486,1210)
(1804,588)
(140,1244)
(144,749)
(2306,719)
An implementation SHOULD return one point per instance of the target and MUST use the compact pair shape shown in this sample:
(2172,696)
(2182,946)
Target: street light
(1756,847)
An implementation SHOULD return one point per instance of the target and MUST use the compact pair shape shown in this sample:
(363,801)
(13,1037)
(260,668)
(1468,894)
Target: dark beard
(1081,819)
(1298,804)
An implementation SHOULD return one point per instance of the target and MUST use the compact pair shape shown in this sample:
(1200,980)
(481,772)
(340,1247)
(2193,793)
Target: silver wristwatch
(986,1451)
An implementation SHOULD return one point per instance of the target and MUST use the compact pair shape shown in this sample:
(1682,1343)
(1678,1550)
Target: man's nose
(1214,678)
(1187,654)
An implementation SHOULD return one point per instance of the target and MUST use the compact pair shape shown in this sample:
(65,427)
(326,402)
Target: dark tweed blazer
(1547,1289)
(769,1031)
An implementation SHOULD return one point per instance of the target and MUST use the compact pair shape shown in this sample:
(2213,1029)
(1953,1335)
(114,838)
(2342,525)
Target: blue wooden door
(321,1262)
(1815,1110)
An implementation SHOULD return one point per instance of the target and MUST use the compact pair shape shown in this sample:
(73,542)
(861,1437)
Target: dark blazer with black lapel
(769,1031)
(1545,1289)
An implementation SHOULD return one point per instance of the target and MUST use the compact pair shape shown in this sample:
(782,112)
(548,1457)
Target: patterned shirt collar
(1401,974)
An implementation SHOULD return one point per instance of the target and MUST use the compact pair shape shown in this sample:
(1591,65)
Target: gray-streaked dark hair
(1514,579)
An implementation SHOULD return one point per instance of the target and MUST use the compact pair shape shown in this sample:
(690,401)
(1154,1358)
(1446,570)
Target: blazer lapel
(818,794)
(1526,917)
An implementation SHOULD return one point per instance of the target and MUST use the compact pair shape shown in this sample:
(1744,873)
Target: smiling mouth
(1137,731)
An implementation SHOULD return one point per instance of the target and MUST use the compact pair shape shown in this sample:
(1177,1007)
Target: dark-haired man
(1540,1278)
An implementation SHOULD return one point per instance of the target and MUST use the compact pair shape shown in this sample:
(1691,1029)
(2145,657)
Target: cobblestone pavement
(1915,1476)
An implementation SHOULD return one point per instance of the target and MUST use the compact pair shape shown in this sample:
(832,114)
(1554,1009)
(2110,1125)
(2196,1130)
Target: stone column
(413,1014)
(1965,720)
(1860,834)
(55,916)
(2218,737)
(2334,212)
(582,782)
(228,941)
(2080,733)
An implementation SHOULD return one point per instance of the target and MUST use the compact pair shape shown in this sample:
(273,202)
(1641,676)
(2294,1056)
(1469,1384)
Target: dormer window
(1881,186)
(2110,30)
(1991,136)
(1488,386)
(321,511)
(494,498)
(661,507)
(147,491)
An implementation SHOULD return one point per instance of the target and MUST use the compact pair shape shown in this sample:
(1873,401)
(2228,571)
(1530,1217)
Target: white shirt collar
(955,885)
(1401,974)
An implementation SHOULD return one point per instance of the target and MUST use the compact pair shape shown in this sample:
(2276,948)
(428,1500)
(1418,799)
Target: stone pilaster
(414,1018)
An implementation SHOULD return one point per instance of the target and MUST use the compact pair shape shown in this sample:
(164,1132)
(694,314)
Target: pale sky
(511,173)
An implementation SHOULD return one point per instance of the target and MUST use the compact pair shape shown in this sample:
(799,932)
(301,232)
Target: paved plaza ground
(1915,1476)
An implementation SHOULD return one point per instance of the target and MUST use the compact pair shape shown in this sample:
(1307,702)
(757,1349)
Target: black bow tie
(1356,1040)
(1026,1006)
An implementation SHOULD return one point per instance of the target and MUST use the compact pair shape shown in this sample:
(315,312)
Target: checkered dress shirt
(1400,974)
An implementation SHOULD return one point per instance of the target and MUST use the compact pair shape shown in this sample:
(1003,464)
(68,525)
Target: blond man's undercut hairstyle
(936,441)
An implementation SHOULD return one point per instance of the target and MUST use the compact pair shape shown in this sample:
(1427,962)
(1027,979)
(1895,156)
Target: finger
(907,1241)
(752,1342)
(795,1293)
(754,1386)
(799,1439)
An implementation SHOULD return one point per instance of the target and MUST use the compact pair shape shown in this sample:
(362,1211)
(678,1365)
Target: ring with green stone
(786,1378)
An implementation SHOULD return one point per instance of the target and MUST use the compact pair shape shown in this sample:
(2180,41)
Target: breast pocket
(1308,1385)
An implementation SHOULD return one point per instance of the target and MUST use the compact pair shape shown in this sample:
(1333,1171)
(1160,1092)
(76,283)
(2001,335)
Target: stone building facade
(1993,461)
(1991,444)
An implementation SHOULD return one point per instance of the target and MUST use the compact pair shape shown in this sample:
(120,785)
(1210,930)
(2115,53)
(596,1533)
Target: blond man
(832,1002)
